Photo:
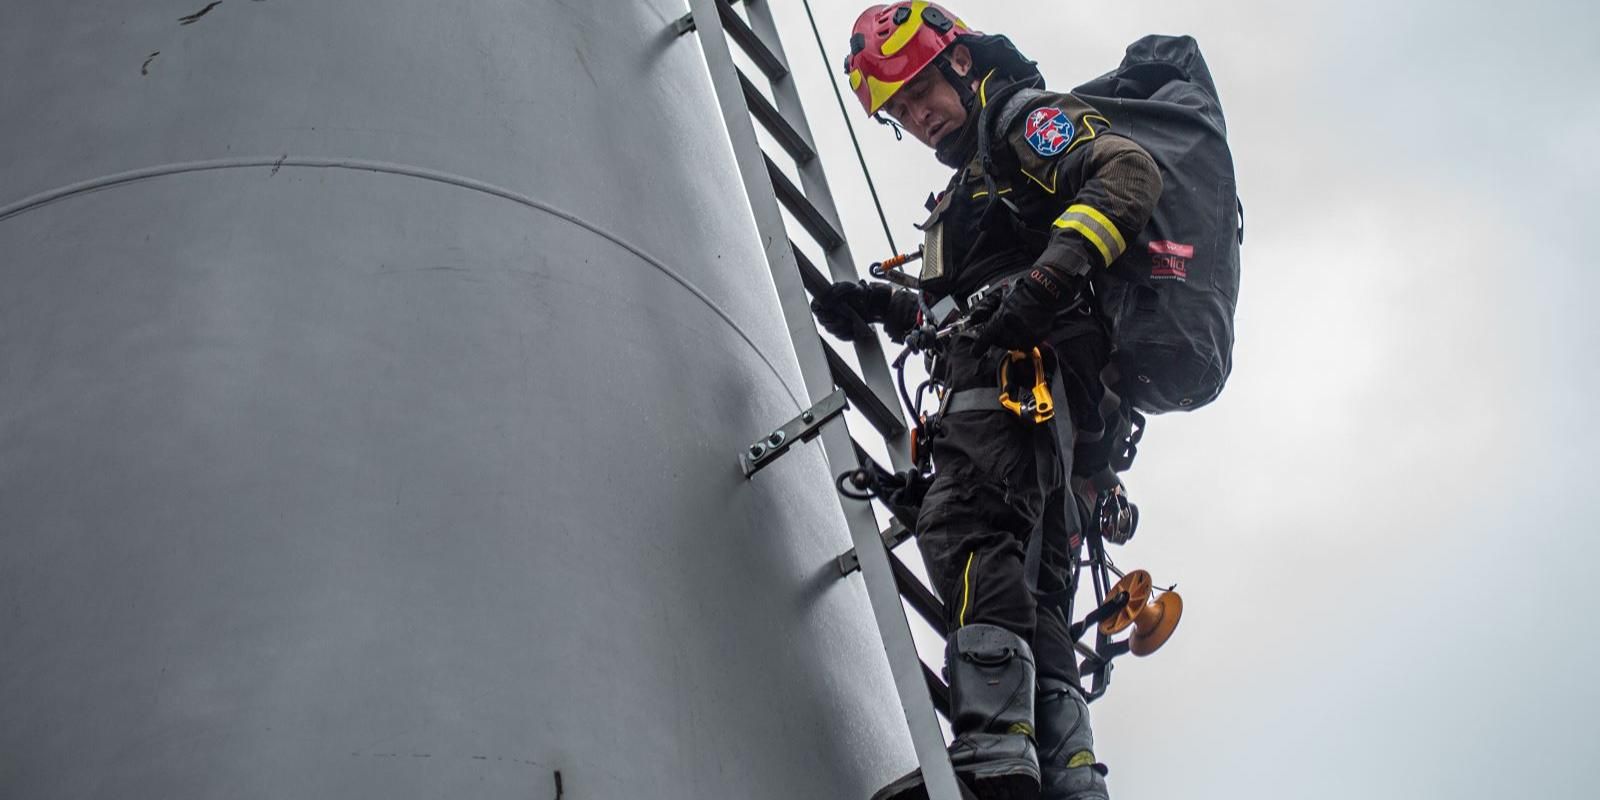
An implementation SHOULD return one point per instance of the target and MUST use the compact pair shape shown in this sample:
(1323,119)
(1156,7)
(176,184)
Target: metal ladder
(827,374)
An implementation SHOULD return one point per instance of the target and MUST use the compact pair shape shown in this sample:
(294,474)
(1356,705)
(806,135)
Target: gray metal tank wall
(372,377)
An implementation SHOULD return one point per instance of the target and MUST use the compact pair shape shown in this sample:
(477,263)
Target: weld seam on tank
(360,165)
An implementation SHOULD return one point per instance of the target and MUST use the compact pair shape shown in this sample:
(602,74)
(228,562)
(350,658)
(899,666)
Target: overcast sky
(1384,530)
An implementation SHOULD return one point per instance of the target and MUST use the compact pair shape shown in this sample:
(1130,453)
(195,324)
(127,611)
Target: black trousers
(1000,482)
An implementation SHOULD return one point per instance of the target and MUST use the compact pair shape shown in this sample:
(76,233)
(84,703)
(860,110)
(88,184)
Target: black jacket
(1059,188)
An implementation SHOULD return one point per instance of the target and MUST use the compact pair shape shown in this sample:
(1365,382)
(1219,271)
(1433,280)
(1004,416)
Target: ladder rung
(919,596)
(795,200)
(812,277)
(775,123)
(892,536)
(895,535)
(721,30)
(938,691)
(750,43)
(866,401)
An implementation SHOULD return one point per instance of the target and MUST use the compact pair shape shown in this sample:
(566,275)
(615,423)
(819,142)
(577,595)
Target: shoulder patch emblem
(1049,131)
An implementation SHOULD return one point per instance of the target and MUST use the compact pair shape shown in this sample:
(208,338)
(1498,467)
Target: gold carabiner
(1039,405)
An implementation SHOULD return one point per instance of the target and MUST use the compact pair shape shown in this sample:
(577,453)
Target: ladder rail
(906,666)
(874,363)
(875,374)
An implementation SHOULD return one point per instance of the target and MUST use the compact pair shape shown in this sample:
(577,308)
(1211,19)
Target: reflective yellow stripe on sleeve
(1095,227)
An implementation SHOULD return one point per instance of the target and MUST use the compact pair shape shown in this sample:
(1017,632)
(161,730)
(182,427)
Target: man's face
(928,106)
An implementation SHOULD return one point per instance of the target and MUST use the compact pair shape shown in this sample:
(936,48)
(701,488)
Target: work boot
(1066,745)
(991,711)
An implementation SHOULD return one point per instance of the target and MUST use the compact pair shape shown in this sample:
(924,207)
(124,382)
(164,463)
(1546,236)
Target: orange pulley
(1153,617)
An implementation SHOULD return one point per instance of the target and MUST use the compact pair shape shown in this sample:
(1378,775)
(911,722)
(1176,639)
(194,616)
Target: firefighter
(1044,194)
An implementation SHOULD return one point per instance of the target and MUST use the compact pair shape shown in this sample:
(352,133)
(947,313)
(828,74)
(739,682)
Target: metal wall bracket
(685,24)
(803,428)
(877,573)
(848,562)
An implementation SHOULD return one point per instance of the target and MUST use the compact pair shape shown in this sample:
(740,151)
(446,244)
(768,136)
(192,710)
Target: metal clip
(889,270)
(972,299)
(1118,518)
(1038,404)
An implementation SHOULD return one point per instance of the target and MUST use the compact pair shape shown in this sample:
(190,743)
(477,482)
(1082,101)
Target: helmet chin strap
(961,83)
(945,147)
(883,120)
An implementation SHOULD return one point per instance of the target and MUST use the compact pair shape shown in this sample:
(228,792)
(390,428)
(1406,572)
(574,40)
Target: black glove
(1023,316)
(838,306)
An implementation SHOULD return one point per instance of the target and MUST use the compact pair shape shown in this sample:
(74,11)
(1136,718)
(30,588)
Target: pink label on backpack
(1170,260)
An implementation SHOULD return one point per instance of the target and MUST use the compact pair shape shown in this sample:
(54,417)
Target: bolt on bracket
(803,428)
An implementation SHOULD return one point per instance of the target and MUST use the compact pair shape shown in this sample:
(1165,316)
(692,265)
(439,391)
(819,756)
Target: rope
(827,68)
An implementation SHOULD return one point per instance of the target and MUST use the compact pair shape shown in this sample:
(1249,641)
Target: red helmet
(891,44)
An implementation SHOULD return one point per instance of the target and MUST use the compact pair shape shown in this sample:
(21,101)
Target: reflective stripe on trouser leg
(966,589)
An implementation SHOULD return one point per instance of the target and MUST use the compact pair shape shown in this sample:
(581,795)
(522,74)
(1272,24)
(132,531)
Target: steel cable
(845,112)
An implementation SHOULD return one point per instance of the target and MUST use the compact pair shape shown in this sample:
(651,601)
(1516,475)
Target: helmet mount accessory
(935,18)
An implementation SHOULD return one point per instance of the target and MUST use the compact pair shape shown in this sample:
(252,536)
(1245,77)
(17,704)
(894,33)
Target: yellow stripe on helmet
(881,91)
(855,79)
(906,31)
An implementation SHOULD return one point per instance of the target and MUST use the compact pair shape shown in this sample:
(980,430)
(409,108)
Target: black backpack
(1170,298)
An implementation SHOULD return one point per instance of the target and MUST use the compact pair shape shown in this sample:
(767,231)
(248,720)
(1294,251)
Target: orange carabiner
(889,269)
(1039,405)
